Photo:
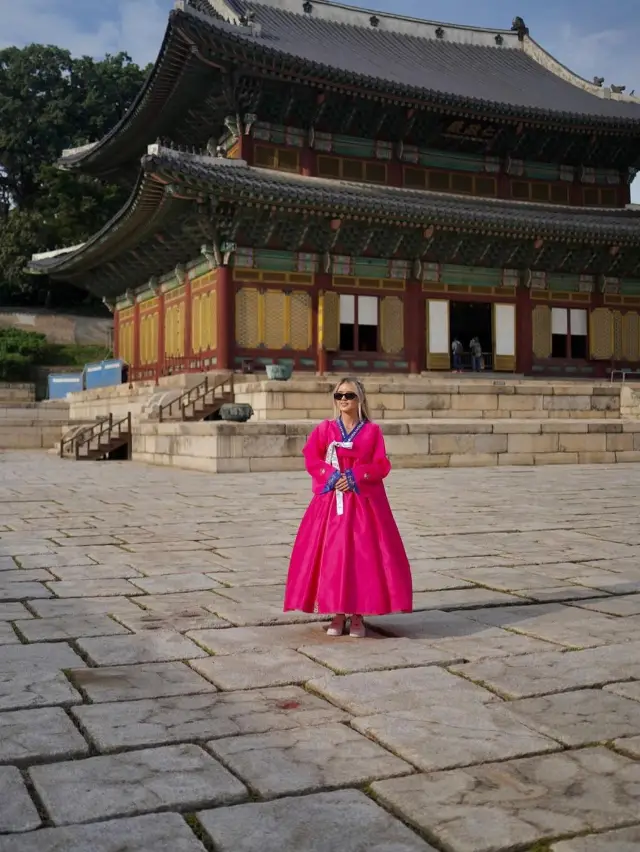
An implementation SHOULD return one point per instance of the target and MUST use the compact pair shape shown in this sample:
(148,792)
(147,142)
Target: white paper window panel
(367,310)
(347,310)
(438,326)
(578,322)
(505,325)
(559,320)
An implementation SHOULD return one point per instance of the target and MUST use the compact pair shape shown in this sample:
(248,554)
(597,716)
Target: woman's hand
(342,484)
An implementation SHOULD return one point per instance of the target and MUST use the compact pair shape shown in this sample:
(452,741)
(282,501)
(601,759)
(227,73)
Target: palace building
(334,189)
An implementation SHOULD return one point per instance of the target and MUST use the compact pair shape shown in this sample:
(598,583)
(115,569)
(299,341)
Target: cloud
(135,26)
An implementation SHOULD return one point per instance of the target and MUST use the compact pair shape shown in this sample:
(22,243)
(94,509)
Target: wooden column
(188,314)
(225,318)
(394,173)
(524,331)
(136,335)
(308,162)
(414,327)
(246,148)
(503,181)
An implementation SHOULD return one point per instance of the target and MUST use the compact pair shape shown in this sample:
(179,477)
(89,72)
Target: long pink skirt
(352,563)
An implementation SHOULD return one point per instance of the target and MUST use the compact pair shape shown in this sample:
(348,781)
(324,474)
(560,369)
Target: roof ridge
(342,13)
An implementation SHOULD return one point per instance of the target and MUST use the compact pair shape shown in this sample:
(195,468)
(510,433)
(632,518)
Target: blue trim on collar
(355,431)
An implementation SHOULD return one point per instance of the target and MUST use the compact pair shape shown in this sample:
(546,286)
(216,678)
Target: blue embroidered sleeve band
(331,482)
(351,480)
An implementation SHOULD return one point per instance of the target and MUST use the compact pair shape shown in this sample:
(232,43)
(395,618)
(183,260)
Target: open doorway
(468,320)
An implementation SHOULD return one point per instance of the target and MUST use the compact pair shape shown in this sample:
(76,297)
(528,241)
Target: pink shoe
(357,629)
(336,628)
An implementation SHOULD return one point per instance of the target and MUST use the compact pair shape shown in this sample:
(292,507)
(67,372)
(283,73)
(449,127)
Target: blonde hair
(363,405)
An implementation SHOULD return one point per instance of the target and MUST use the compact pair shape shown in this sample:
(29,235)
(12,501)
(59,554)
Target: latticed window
(356,170)
(272,157)
(595,196)
(462,183)
(554,193)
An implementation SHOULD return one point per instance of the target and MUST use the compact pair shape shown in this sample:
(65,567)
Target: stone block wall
(263,447)
(11,392)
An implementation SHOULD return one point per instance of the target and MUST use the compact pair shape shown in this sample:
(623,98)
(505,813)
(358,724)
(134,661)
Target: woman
(348,556)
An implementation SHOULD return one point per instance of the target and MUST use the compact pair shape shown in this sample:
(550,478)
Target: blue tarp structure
(61,384)
(104,374)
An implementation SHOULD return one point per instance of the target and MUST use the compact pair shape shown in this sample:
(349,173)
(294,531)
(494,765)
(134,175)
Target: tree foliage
(50,101)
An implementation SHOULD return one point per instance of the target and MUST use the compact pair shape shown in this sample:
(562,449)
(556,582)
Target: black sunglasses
(350,396)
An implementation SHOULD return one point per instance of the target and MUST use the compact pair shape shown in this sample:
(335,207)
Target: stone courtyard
(154,698)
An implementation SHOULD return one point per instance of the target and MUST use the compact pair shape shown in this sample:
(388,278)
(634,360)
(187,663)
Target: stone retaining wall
(428,399)
(32,425)
(260,447)
(17,392)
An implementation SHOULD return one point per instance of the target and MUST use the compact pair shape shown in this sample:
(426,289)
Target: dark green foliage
(50,101)
(19,351)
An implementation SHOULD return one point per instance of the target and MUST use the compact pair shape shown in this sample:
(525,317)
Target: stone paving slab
(239,640)
(581,717)
(8,635)
(397,690)
(302,760)
(67,627)
(125,683)
(114,587)
(135,782)
(80,607)
(623,606)
(151,833)
(378,656)
(451,734)
(629,746)
(556,671)
(156,647)
(191,718)
(13,611)
(196,619)
(499,806)
(17,811)
(628,690)
(345,820)
(622,840)
(277,667)
(40,734)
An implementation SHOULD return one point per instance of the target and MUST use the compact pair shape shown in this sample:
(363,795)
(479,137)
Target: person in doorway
(348,558)
(476,354)
(457,350)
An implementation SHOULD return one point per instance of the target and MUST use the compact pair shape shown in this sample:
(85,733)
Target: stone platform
(154,697)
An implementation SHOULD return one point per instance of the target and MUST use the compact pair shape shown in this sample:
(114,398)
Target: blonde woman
(348,556)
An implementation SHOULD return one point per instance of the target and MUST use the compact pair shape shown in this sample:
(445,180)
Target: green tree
(49,101)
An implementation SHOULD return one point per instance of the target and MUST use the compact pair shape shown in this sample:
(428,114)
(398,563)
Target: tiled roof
(234,179)
(486,66)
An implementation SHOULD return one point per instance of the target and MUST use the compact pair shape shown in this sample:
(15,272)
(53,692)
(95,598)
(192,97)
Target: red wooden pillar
(307,162)
(136,335)
(188,314)
(504,185)
(395,175)
(225,318)
(414,327)
(161,342)
(323,282)
(524,331)
(246,148)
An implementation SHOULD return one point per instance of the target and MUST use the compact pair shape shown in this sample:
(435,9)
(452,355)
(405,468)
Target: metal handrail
(91,433)
(197,393)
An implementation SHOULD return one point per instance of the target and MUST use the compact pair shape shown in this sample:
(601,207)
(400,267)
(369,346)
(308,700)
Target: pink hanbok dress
(348,555)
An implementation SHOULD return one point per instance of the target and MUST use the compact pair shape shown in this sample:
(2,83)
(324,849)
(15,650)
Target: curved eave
(280,64)
(172,80)
(247,186)
(147,208)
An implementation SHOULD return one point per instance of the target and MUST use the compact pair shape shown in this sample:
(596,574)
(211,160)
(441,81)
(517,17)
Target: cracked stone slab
(39,734)
(628,690)
(68,627)
(126,683)
(498,806)
(14,591)
(366,693)
(17,811)
(375,656)
(197,619)
(492,642)
(306,759)
(75,573)
(277,667)
(345,819)
(581,717)
(159,832)
(32,676)
(115,587)
(630,746)
(8,635)
(136,782)
(176,604)
(461,599)
(163,584)
(56,655)
(625,605)
(452,734)
(556,671)
(429,625)
(157,647)
(201,717)
(13,611)
(238,640)
(622,840)
(75,607)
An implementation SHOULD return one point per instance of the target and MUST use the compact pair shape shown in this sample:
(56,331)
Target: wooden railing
(90,434)
(206,392)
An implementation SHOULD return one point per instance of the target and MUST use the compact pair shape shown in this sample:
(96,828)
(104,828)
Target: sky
(590,37)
